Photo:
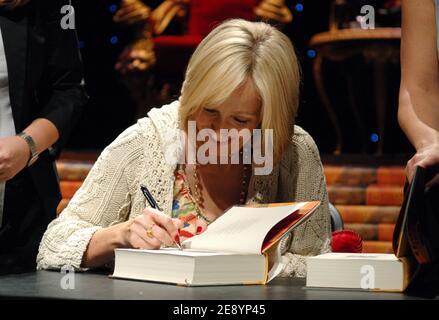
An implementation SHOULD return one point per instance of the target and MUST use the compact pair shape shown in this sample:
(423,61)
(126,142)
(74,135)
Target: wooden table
(380,47)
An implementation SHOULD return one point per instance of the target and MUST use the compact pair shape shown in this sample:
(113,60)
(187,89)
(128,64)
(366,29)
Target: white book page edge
(241,229)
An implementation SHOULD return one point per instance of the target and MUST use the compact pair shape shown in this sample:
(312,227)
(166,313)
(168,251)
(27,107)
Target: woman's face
(241,110)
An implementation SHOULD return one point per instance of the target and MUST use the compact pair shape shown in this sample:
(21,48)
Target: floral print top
(183,205)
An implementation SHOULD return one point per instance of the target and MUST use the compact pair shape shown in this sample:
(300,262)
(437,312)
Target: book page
(276,262)
(178,252)
(241,229)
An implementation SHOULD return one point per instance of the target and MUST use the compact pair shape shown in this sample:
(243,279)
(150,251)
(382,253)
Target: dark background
(110,109)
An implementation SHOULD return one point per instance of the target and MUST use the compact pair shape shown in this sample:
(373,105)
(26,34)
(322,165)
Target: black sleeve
(62,87)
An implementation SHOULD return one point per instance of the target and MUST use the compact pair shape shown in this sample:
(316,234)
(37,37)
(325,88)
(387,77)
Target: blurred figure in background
(151,18)
(138,57)
(418,112)
(41,96)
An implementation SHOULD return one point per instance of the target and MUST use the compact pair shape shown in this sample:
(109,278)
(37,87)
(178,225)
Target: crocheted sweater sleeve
(102,200)
(306,182)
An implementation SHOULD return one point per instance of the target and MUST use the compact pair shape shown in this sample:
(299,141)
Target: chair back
(205,15)
(336,218)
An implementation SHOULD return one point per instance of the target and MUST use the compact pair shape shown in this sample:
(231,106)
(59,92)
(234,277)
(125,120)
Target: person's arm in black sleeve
(58,94)
(62,89)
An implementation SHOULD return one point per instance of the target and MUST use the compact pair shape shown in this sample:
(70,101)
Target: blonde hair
(12,4)
(235,51)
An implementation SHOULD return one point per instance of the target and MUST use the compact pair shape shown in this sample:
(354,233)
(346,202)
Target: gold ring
(149,231)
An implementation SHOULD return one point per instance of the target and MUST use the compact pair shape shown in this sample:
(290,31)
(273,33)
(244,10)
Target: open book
(240,247)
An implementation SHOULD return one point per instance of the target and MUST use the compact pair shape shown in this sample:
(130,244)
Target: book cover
(69,188)
(62,205)
(379,195)
(416,238)
(350,176)
(377,246)
(73,170)
(368,214)
(391,176)
(346,195)
(370,231)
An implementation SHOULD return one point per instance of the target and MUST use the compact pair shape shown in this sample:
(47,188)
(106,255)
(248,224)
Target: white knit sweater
(110,194)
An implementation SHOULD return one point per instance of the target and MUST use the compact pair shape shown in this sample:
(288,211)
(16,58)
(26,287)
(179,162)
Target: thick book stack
(369,200)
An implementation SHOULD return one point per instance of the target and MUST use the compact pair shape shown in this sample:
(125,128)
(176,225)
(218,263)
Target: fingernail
(199,230)
(177,238)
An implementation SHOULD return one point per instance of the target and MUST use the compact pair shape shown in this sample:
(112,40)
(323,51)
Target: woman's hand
(151,230)
(426,157)
(14,156)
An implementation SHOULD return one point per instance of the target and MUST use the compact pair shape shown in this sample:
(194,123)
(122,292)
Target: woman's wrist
(120,235)
(100,250)
(427,142)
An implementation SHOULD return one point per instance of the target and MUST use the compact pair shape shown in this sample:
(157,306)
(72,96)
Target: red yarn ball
(346,241)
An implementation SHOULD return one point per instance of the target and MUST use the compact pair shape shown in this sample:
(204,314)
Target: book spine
(68,188)
(379,195)
(62,205)
(364,176)
(350,176)
(346,195)
(73,171)
(391,176)
(377,247)
(369,231)
(368,214)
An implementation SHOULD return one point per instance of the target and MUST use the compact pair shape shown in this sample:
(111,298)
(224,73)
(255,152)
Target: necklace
(199,199)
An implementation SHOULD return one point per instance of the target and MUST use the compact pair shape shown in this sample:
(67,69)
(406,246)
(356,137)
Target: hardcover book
(241,247)
(414,263)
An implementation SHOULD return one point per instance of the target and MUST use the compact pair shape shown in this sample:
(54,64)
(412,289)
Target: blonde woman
(418,112)
(243,76)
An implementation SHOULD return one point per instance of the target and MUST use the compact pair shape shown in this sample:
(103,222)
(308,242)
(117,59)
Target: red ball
(346,241)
